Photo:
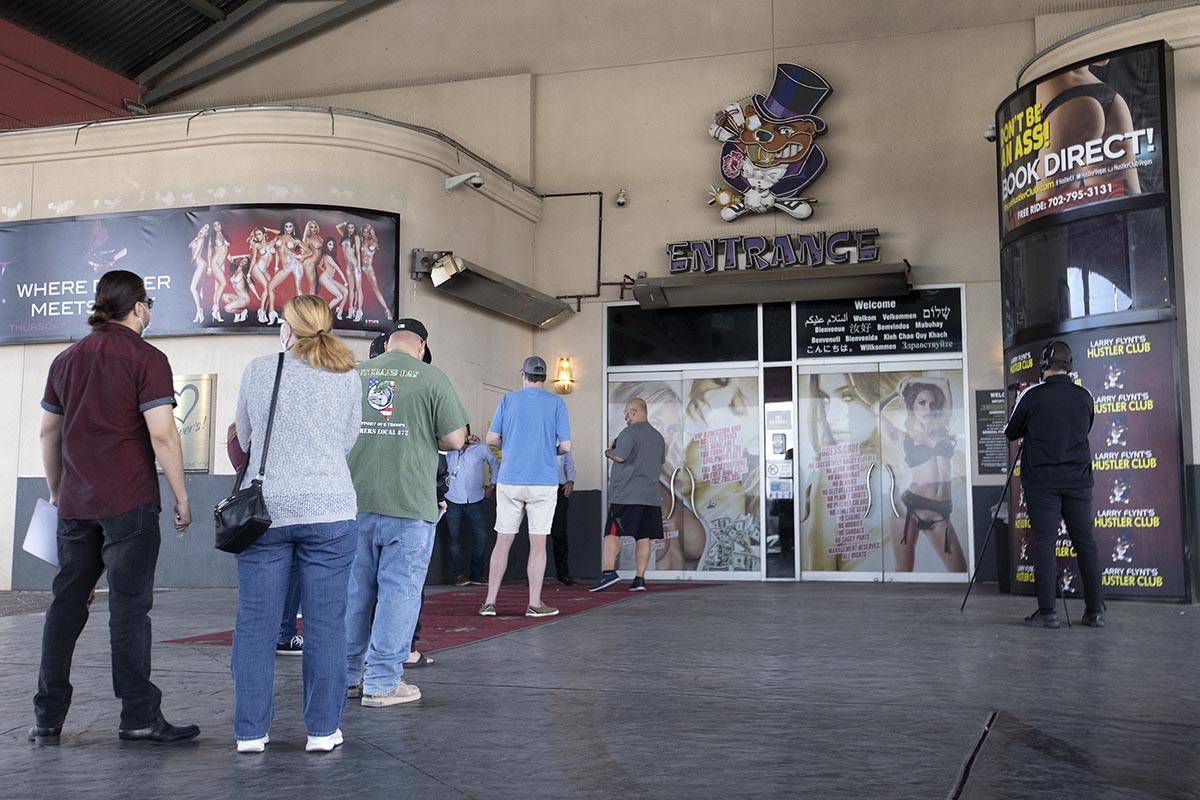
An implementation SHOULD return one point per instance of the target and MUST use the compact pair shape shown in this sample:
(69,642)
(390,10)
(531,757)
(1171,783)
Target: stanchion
(992,527)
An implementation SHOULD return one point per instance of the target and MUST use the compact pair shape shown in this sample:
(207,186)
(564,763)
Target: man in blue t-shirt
(530,426)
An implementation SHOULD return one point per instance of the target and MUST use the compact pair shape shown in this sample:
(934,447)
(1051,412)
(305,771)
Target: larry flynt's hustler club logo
(769,155)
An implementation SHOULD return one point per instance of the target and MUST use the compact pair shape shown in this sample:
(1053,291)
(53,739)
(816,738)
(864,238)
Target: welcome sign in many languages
(923,321)
(1135,462)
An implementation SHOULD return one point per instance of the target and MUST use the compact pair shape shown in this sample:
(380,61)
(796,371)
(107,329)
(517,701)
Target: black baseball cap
(412,325)
(379,345)
(534,367)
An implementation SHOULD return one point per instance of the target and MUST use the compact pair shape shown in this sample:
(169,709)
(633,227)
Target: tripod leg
(1063,591)
(992,527)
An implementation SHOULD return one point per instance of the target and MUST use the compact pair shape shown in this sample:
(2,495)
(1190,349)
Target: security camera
(989,133)
(474,179)
(622,198)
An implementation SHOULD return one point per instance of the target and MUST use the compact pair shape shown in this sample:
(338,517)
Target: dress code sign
(991,416)
(923,321)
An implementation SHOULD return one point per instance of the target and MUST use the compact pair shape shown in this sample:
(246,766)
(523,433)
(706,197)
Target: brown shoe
(401,693)
(541,611)
(461,580)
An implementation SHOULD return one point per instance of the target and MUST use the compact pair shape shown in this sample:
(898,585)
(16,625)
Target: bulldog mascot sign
(769,154)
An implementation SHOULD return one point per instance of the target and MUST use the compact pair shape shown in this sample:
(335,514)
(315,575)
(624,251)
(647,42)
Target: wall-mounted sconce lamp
(564,376)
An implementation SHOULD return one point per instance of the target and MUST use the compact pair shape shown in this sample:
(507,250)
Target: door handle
(692,493)
(870,497)
(892,490)
(671,488)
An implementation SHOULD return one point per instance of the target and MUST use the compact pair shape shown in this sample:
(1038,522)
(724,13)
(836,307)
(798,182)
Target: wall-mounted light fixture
(564,376)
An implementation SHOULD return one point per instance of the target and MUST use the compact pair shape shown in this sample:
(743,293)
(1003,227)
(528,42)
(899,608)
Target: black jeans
(127,546)
(558,535)
(1074,506)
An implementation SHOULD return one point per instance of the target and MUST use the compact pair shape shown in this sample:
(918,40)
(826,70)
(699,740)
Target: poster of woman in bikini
(211,269)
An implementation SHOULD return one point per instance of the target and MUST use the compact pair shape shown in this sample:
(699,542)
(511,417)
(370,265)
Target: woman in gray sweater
(312,503)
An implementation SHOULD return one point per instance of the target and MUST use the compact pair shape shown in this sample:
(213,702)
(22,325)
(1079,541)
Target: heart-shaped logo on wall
(183,406)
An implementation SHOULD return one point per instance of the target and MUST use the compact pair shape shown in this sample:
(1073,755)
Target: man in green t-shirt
(410,411)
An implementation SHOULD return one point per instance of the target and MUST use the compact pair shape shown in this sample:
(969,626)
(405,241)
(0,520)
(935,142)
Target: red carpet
(450,619)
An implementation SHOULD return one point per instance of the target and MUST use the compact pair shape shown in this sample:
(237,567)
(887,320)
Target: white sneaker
(324,744)
(403,693)
(253,745)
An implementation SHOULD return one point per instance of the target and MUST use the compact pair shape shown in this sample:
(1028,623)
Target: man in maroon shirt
(108,414)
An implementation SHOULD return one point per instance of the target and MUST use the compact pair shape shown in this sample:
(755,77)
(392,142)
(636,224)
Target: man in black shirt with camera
(1054,418)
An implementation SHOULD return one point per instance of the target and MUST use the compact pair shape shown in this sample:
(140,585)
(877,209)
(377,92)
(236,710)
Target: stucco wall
(621,100)
(275,157)
(906,154)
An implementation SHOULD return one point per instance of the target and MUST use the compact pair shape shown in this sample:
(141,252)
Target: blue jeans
(324,552)
(291,605)
(472,513)
(385,598)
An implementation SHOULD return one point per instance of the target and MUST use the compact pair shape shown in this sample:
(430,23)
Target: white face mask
(285,336)
(145,322)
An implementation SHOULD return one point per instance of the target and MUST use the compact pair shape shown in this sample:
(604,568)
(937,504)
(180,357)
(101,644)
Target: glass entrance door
(882,466)
(924,434)
(711,421)
(838,472)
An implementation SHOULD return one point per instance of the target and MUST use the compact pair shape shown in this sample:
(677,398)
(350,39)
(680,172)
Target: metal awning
(482,287)
(741,287)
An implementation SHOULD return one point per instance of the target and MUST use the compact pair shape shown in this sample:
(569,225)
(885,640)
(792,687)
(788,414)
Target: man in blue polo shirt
(530,426)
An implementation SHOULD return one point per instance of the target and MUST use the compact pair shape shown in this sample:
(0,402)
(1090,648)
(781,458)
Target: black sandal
(423,661)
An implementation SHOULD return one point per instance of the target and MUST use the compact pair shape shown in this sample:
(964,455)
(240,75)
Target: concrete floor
(779,690)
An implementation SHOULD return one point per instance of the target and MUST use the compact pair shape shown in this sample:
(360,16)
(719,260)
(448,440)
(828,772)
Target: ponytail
(100,314)
(117,292)
(312,325)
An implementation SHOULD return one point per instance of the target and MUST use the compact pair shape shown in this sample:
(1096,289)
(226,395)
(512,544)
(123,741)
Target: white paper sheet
(41,540)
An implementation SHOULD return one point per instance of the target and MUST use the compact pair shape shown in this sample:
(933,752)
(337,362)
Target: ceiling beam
(235,60)
(206,8)
(192,46)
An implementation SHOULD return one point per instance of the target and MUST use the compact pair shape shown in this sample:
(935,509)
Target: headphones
(1048,355)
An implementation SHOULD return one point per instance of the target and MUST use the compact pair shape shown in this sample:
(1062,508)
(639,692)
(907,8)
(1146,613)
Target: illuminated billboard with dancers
(210,269)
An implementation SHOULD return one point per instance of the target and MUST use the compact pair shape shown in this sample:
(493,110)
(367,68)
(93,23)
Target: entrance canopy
(773,286)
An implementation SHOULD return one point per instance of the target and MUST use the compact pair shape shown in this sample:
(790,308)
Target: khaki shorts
(514,500)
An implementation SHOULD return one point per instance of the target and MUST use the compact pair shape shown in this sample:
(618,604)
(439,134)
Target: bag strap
(262,464)
(241,473)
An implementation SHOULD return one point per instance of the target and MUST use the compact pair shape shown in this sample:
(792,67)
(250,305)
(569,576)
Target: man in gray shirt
(634,497)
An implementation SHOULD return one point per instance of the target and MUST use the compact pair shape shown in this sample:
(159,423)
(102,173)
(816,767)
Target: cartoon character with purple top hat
(769,156)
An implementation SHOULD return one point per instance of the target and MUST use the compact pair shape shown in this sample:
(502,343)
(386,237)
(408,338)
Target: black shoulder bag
(242,518)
